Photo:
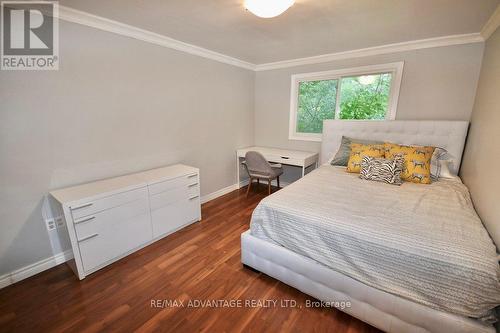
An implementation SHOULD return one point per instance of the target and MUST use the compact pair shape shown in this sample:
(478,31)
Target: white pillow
(440,164)
(445,169)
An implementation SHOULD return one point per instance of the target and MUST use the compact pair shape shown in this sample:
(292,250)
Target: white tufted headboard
(449,135)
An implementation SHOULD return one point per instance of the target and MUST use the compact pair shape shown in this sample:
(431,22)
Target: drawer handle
(196,196)
(193,184)
(193,175)
(82,206)
(285,157)
(85,219)
(88,237)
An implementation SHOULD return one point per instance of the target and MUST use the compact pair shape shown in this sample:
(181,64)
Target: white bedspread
(422,242)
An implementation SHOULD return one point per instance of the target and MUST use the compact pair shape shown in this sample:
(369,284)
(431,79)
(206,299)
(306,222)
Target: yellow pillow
(358,151)
(417,165)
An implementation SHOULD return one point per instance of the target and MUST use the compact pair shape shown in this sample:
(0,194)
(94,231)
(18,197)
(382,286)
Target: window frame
(395,68)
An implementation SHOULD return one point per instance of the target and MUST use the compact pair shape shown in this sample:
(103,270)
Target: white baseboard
(230,188)
(38,267)
(218,193)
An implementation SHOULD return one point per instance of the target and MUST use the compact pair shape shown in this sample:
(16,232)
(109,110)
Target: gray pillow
(342,156)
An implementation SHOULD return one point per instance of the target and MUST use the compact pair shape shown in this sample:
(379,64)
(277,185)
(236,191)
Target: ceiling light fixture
(268,8)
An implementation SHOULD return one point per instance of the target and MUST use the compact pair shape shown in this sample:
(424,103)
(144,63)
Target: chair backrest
(257,164)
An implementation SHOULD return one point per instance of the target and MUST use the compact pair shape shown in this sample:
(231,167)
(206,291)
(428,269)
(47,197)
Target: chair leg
(258,182)
(278,181)
(269,186)
(249,185)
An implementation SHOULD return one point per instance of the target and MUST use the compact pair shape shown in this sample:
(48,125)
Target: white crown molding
(371,51)
(101,23)
(492,25)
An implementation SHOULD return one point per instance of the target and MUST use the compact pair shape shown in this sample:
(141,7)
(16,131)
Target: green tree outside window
(316,103)
(361,97)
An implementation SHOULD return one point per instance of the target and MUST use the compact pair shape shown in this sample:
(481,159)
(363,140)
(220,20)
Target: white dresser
(111,218)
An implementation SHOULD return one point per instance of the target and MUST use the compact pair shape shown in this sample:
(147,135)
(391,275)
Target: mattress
(424,243)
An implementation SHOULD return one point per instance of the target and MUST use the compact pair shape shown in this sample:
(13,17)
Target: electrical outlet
(51,224)
(59,221)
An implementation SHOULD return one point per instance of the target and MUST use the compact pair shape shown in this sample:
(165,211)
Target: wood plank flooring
(200,262)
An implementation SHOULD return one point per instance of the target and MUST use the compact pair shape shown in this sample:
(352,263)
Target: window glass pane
(365,97)
(316,102)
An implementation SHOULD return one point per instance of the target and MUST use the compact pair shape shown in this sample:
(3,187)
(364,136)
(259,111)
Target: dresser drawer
(169,218)
(193,209)
(193,189)
(172,183)
(88,208)
(92,224)
(113,232)
(169,197)
(284,159)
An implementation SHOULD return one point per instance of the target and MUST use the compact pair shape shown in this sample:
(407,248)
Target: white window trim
(395,68)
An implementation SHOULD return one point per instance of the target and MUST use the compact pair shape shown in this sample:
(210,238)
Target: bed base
(383,310)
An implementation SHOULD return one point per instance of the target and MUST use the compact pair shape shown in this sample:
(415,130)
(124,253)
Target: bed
(413,258)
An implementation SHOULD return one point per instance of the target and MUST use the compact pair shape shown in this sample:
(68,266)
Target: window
(369,92)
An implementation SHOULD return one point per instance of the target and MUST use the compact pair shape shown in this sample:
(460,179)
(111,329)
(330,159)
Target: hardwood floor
(200,262)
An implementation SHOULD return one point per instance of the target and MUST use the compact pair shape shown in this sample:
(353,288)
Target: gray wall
(481,159)
(116,106)
(438,83)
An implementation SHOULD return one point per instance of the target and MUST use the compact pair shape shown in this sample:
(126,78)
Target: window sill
(305,138)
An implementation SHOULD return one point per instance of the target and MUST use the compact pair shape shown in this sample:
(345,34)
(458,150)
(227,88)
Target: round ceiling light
(268,8)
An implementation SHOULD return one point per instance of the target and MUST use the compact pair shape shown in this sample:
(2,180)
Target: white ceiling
(308,28)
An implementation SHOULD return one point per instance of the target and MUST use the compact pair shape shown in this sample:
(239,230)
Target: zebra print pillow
(382,170)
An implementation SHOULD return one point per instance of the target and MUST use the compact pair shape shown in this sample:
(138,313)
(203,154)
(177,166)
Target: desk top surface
(296,154)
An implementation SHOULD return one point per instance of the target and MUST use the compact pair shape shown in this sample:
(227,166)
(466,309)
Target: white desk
(303,159)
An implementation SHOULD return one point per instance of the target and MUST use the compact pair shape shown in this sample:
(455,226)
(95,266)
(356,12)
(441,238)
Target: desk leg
(303,170)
